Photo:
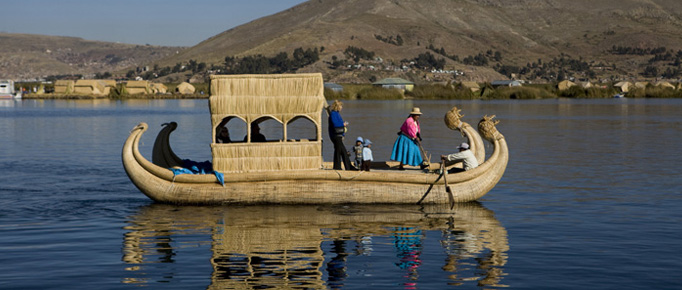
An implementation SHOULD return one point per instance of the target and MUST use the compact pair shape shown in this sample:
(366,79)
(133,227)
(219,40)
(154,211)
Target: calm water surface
(591,199)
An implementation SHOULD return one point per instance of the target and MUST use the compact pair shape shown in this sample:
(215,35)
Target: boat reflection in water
(284,246)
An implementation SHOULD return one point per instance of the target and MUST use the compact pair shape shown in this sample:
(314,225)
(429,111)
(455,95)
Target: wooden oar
(424,153)
(447,188)
(431,186)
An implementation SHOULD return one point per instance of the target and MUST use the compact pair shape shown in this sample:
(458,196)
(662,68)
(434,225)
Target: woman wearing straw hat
(405,148)
(337,129)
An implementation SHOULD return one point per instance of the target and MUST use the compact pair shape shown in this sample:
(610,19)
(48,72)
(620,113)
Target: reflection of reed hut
(185,88)
(64,86)
(565,85)
(158,88)
(257,98)
(395,83)
(472,86)
(281,247)
(90,87)
(624,87)
(138,87)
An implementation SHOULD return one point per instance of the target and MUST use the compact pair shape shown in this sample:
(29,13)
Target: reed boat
(292,171)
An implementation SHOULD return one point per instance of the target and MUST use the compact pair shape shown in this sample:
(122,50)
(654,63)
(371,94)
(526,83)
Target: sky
(154,22)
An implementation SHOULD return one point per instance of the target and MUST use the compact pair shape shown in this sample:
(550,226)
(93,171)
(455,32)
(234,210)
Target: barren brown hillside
(28,56)
(522,30)
(525,33)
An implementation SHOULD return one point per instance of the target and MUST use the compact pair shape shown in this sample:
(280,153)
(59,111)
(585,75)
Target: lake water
(591,199)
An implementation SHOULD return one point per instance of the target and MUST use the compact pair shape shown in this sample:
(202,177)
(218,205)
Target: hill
(27,56)
(510,34)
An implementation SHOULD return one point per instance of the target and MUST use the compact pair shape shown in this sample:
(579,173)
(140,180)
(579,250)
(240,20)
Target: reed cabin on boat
(256,98)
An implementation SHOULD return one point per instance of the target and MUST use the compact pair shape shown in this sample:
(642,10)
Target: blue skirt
(406,151)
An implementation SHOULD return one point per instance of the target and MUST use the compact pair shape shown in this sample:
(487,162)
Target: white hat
(463,146)
(367,142)
(416,111)
(359,139)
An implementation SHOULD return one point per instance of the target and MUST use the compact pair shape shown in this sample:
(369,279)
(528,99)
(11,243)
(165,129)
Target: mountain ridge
(523,33)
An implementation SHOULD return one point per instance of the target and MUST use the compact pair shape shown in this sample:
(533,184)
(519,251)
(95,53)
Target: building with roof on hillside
(334,87)
(505,83)
(395,83)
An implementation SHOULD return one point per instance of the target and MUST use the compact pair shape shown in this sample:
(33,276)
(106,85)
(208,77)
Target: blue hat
(367,142)
(359,139)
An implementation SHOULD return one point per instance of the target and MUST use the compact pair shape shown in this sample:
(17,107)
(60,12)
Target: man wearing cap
(464,155)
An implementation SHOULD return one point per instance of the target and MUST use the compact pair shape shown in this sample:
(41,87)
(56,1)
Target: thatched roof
(473,86)
(565,84)
(159,88)
(665,85)
(90,87)
(624,86)
(185,88)
(282,97)
(254,98)
(137,84)
(64,86)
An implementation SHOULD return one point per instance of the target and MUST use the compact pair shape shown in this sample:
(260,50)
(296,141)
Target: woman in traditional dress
(405,149)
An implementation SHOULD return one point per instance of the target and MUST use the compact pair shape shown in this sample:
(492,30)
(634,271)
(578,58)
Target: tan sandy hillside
(32,56)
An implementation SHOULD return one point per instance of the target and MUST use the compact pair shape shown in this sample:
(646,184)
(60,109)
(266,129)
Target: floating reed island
(292,171)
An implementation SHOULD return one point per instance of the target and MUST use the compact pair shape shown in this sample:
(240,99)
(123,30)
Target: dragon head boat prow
(486,127)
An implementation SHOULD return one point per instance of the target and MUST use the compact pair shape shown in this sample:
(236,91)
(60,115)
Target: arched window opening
(301,128)
(266,129)
(230,130)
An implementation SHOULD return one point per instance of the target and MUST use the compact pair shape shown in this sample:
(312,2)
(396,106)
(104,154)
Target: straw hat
(416,111)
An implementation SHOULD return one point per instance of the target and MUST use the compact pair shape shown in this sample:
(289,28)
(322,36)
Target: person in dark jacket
(337,130)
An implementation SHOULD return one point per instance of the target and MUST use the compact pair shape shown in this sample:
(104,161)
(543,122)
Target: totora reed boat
(292,171)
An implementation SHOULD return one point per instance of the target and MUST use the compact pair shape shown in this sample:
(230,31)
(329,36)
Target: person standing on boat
(406,149)
(367,155)
(337,130)
(357,149)
(465,156)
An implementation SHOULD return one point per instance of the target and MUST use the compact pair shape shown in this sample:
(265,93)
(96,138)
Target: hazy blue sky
(156,22)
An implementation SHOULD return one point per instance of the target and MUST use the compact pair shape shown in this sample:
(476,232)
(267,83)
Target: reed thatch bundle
(64,86)
(284,98)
